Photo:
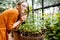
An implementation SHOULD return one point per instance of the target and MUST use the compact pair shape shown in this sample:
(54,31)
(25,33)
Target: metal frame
(42,7)
(33,9)
(48,6)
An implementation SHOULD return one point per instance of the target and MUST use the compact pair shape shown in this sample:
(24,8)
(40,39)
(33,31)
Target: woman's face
(23,7)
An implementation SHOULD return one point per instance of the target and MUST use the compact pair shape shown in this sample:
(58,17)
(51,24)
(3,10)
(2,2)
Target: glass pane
(38,17)
(51,10)
(37,4)
(50,2)
(30,2)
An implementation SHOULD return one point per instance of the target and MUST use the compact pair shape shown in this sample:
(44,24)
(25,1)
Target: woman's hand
(23,18)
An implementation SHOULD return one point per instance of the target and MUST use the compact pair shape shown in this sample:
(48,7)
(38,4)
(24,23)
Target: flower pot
(16,35)
(23,37)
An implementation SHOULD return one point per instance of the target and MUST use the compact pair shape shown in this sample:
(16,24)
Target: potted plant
(30,30)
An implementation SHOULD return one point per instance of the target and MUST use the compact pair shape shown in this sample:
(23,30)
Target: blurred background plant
(5,4)
(52,24)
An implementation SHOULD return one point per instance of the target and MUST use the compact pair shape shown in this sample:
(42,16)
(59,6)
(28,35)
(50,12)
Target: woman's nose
(25,8)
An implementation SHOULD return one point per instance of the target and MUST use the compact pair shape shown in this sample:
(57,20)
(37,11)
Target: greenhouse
(29,19)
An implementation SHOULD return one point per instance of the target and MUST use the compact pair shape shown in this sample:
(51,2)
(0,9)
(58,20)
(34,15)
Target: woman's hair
(18,4)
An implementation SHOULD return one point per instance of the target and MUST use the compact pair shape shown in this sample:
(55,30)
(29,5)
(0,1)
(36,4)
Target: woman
(11,18)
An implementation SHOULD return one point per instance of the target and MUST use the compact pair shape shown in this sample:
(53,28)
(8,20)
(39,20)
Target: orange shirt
(7,19)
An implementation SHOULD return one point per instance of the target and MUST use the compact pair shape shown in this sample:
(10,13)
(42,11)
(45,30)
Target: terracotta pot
(31,38)
(16,35)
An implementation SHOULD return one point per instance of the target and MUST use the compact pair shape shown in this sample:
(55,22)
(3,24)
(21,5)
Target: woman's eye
(23,5)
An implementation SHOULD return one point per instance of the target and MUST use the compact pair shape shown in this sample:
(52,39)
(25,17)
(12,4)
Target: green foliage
(30,25)
(52,23)
(30,8)
(6,4)
(2,6)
